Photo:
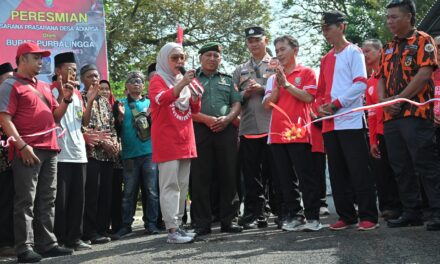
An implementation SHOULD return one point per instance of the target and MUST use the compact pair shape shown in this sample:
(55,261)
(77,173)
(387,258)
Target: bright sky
(276,30)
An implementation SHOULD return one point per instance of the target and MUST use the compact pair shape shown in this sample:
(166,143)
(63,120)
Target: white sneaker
(177,238)
(312,225)
(294,225)
(324,211)
(183,232)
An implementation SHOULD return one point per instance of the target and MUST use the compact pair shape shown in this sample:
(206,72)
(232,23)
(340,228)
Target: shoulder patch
(389,51)
(225,75)
(429,48)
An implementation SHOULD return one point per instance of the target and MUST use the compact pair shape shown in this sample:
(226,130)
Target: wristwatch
(334,107)
(67,101)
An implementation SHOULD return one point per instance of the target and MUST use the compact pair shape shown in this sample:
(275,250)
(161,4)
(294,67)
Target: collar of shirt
(265,59)
(297,69)
(411,34)
(33,81)
(200,72)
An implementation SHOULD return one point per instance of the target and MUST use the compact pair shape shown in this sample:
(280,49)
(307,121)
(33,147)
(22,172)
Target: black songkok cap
(88,67)
(151,68)
(66,57)
(6,67)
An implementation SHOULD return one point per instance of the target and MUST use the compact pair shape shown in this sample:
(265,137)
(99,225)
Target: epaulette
(224,74)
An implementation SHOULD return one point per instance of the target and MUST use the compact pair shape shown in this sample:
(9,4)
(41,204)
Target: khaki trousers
(173,184)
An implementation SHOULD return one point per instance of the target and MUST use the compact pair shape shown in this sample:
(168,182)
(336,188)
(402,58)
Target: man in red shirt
(388,196)
(23,100)
(293,88)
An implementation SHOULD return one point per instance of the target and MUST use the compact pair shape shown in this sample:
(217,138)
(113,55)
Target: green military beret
(210,46)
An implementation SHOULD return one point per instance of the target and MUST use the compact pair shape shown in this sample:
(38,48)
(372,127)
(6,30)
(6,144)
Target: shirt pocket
(224,93)
(408,61)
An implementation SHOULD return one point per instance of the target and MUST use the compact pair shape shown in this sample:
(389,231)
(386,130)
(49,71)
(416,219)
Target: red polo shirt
(29,113)
(303,78)
(375,116)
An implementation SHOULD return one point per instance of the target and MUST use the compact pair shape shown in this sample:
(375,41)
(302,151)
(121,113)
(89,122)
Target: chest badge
(408,61)
(298,81)
(222,81)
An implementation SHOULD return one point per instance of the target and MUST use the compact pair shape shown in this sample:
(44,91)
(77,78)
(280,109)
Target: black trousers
(437,136)
(116,207)
(217,155)
(98,193)
(386,185)
(414,157)
(350,175)
(6,209)
(257,167)
(294,170)
(69,202)
(319,166)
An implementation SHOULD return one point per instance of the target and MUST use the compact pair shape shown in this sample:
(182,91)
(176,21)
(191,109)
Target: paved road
(269,246)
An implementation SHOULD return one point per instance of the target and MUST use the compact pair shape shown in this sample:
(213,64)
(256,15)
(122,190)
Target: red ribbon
(6,143)
(294,131)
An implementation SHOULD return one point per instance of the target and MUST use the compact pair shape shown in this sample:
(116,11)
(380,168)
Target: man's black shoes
(405,221)
(202,231)
(57,251)
(433,224)
(231,228)
(29,256)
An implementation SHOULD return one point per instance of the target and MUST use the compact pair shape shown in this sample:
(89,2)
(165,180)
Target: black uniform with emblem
(216,151)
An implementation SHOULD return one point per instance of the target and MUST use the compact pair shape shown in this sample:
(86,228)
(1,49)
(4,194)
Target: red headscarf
(111,98)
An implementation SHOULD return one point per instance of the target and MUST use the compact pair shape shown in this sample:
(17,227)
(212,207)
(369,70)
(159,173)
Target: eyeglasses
(135,81)
(176,57)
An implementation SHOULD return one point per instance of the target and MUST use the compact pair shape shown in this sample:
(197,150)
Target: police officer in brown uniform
(255,155)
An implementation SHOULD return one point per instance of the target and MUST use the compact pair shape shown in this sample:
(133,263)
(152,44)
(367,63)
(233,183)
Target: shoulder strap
(35,91)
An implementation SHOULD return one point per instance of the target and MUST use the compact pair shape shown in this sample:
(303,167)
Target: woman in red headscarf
(106,91)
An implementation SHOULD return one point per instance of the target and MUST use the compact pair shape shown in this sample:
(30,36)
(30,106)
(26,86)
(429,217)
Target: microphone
(182,70)
(195,86)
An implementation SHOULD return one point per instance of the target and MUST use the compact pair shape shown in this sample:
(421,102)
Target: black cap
(66,57)
(210,46)
(88,67)
(332,17)
(254,32)
(6,67)
(151,68)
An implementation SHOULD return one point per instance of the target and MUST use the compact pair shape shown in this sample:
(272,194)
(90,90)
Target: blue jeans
(140,170)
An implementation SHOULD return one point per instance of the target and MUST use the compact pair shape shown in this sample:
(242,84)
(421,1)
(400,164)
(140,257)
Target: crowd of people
(218,140)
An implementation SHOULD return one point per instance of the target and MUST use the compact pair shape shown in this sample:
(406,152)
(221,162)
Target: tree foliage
(366,19)
(137,29)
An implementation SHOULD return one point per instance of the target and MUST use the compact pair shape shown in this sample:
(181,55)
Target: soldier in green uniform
(216,145)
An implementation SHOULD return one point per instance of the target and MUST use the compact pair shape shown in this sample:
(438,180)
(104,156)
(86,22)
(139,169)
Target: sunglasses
(176,57)
(135,81)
